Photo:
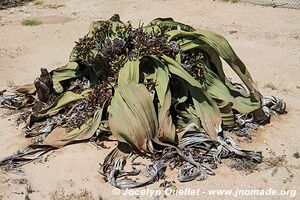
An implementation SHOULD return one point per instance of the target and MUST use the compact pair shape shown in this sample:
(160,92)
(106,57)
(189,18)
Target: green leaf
(59,138)
(65,73)
(129,73)
(132,117)
(62,101)
(214,84)
(225,51)
(166,130)
(228,117)
(187,116)
(176,68)
(65,99)
(221,45)
(213,61)
(205,106)
(219,91)
(217,84)
(171,23)
(207,110)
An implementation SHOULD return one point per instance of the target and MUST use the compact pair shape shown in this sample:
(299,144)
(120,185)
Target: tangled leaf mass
(4,4)
(159,89)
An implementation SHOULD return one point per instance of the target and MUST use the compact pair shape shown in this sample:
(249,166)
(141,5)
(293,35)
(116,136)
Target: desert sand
(267,40)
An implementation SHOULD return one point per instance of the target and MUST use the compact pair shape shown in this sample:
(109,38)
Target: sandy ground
(266,39)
